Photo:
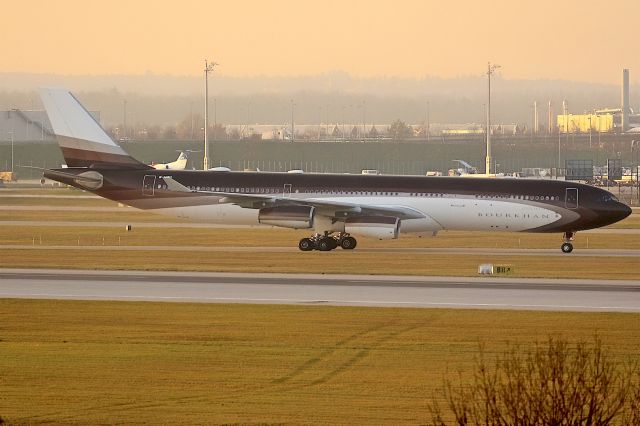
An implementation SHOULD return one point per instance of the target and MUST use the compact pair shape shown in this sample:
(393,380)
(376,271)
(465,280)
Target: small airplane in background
(179,164)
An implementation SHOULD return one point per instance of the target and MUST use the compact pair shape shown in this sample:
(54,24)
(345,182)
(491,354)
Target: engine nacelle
(296,217)
(380,227)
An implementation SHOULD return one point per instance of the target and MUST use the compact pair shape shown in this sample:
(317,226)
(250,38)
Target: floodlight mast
(490,70)
(208,67)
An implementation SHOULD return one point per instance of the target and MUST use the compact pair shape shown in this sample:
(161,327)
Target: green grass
(57,201)
(336,262)
(160,363)
(631,222)
(279,237)
(126,215)
(255,259)
(47,191)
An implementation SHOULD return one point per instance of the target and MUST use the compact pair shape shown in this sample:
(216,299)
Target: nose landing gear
(327,242)
(567,247)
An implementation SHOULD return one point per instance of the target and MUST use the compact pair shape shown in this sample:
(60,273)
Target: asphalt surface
(352,290)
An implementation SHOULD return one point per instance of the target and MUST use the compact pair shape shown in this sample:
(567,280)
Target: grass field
(78,362)
(77,201)
(176,255)
(278,237)
(128,362)
(337,262)
(127,215)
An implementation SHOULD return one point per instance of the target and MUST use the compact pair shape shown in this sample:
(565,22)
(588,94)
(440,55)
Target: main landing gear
(327,242)
(567,247)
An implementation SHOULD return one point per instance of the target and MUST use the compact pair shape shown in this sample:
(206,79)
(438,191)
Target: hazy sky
(575,40)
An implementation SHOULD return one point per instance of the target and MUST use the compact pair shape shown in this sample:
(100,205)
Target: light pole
(559,145)
(428,124)
(589,131)
(344,137)
(320,122)
(490,70)
(292,125)
(208,67)
(11,133)
(364,120)
(635,149)
(124,120)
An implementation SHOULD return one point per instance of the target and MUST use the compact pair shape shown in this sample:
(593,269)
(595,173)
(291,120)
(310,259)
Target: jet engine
(380,227)
(296,217)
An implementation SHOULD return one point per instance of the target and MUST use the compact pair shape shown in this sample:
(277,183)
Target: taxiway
(352,290)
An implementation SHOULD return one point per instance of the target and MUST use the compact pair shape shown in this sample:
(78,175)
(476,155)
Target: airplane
(336,208)
(179,164)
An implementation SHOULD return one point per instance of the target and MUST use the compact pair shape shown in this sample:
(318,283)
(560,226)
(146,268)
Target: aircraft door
(286,190)
(148,185)
(571,198)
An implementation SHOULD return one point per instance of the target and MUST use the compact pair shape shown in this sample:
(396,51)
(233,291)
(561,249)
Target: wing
(329,208)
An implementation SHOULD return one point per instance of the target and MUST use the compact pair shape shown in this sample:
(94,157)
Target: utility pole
(11,154)
(565,111)
(490,70)
(124,121)
(428,126)
(364,120)
(590,128)
(191,114)
(535,117)
(292,126)
(208,67)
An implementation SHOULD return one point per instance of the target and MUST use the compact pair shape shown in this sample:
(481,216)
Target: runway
(480,251)
(340,290)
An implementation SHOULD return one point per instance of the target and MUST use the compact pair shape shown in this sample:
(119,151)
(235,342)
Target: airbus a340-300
(336,208)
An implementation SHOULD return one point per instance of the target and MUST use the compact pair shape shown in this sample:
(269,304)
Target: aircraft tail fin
(83,142)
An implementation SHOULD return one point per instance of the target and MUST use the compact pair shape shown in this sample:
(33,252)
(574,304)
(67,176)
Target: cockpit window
(608,198)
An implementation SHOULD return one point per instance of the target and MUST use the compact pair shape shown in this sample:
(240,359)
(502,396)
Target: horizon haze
(570,40)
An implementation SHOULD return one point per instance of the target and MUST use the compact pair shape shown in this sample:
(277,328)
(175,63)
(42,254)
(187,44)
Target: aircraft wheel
(348,243)
(566,247)
(305,244)
(334,242)
(324,244)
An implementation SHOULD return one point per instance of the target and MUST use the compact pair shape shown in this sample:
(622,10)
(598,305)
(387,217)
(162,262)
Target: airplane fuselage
(449,203)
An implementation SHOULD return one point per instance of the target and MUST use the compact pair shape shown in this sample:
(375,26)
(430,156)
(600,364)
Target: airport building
(584,123)
(28,126)
(22,126)
(619,120)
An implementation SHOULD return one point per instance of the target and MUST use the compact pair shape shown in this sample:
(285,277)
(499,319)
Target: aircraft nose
(625,211)
(618,212)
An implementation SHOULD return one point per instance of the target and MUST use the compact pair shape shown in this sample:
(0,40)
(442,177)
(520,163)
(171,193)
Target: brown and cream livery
(336,207)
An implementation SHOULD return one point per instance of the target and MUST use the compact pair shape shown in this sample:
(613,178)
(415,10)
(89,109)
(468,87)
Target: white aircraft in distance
(179,164)
(335,207)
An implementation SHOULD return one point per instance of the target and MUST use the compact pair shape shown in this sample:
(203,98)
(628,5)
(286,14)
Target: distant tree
(154,132)
(552,384)
(219,131)
(190,127)
(336,132)
(234,134)
(373,133)
(169,132)
(354,132)
(400,130)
